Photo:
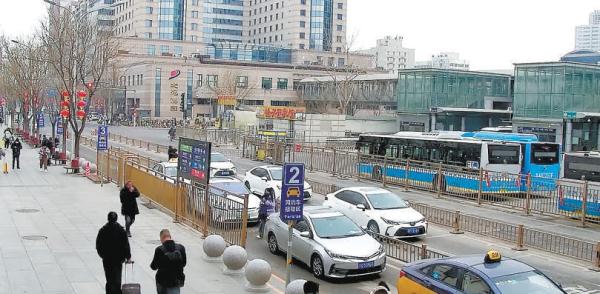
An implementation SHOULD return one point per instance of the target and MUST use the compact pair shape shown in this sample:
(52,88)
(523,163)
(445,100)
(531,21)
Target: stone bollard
(258,273)
(213,247)
(295,287)
(234,258)
(82,162)
(93,168)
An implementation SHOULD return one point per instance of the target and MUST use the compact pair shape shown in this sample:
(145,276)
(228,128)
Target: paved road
(570,273)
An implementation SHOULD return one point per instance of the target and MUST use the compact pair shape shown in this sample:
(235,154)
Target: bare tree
(24,75)
(79,55)
(343,78)
(232,84)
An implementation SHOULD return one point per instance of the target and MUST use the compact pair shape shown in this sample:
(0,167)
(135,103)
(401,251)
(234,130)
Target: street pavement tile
(88,288)
(43,256)
(18,264)
(52,278)
(24,282)
(69,260)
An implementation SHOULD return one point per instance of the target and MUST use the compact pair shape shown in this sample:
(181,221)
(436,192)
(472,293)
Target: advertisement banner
(282,112)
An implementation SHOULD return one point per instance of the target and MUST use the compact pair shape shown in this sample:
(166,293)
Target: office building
(390,55)
(587,37)
(102,12)
(444,60)
(559,102)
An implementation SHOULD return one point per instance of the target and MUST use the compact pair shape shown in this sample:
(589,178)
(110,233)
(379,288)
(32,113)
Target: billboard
(282,112)
(194,160)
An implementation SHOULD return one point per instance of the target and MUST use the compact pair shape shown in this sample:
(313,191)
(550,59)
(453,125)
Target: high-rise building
(102,12)
(390,55)
(587,37)
(444,60)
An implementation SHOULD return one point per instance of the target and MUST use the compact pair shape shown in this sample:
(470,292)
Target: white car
(220,166)
(379,210)
(166,170)
(262,178)
(233,189)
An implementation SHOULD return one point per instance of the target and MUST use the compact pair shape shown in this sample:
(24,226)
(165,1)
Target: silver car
(329,242)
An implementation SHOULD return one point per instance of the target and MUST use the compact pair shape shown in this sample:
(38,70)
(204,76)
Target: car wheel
(317,267)
(272,243)
(373,227)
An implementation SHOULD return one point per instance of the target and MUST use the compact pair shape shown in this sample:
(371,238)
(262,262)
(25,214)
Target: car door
(254,179)
(302,246)
(341,202)
(261,184)
(356,214)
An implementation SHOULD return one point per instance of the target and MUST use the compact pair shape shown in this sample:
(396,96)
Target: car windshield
(528,282)
(386,200)
(217,157)
(233,188)
(339,226)
(276,174)
(171,171)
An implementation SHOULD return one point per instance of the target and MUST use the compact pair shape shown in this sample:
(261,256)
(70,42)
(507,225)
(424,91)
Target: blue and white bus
(462,158)
(541,160)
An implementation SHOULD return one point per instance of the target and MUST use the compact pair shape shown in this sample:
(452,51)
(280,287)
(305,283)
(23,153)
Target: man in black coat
(112,246)
(169,259)
(16,153)
(129,207)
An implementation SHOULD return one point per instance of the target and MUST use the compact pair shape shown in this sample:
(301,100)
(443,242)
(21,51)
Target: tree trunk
(76,138)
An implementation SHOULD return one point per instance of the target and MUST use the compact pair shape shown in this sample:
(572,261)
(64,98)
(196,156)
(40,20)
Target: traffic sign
(193,162)
(292,192)
(59,127)
(102,138)
(570,114)
(40,120)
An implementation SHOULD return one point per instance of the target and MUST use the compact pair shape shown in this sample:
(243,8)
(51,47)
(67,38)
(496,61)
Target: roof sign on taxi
(492,256)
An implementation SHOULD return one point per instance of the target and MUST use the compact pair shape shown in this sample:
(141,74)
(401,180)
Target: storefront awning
(580,115)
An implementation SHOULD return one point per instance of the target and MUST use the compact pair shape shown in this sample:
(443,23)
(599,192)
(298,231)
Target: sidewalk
(69,210)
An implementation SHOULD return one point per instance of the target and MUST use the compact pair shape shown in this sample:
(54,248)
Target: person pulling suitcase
(112,246)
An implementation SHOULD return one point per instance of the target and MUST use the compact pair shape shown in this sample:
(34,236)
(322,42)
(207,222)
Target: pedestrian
(265,208)
(129,207)
(169,261)
(44,140)
(112,246)
(382,288)
(44,153)
(172,152)
(7,138)
(311,287)
(16,153)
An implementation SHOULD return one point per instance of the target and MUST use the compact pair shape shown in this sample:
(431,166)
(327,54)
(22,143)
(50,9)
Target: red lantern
(65,113)
(81,103)
(66,93)
(65,103)
(81,94)
(80,114)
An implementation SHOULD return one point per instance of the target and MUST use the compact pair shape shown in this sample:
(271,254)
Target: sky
(491,34)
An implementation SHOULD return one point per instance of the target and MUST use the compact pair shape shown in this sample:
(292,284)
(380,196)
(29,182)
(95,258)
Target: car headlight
(308,186)
(335,255)
(390,222)
(421,220)
(381,250)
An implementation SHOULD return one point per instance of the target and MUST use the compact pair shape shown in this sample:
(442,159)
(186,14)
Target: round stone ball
(258,272)
(82,162)
(93,168)
(214,245)
(295,287)
(235,257)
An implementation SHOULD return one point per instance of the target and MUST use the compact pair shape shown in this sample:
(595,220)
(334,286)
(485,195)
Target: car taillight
(402,274)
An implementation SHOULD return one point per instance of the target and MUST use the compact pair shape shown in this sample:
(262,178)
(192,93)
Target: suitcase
(5,167)
(130,288)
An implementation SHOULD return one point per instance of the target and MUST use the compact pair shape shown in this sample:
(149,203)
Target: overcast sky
(491,34)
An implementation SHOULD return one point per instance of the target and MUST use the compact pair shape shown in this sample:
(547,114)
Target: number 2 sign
(292,192)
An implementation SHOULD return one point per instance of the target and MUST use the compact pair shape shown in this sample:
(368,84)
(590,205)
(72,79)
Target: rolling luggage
(130,288)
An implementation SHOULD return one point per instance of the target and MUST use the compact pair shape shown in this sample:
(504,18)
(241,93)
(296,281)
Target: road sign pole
(288,264)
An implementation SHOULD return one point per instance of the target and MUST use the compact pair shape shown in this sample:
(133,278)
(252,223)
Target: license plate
(412,231)
(366,265)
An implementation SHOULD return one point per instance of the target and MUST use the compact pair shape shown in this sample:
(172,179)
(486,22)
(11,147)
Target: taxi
(474,274)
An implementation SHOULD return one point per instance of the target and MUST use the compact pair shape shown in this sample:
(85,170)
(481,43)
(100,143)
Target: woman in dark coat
(129,207)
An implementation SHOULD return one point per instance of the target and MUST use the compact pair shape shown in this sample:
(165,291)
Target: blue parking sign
(59,127)
(292,192)
(102,138)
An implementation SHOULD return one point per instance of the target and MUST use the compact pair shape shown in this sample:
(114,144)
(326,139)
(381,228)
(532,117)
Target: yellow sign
(293,192)
(226,100)
(282,112)
(493,256)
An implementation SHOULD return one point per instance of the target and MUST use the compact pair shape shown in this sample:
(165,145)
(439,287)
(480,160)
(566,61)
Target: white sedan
(268,177)
(220,166)
(379,210)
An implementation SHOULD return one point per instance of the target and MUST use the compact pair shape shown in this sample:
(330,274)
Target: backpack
(174,257)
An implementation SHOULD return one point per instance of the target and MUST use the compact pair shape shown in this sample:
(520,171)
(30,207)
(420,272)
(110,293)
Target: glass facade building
(441,99)
(170,19)
(321,24)
(560,98)
(222,21)
(249,52)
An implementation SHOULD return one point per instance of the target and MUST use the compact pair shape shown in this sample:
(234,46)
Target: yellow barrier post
(333,172)
(520,239)
(424,251)
(584,199)
(406,175)
(383,170)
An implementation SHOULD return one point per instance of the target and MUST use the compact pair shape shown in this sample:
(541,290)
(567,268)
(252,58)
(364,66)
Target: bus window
(503,154)
(544,153)
(435,155)
(392,151)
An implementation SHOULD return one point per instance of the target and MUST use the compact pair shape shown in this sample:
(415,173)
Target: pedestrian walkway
(48,227)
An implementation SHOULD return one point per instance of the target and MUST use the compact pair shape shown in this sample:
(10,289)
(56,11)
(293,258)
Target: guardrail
(405,251)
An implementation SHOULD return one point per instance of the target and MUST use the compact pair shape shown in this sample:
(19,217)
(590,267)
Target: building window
(303,12)
(302,24)
(341,62)
(242,82)
(178,50)
(302,35)
(339,28)
(195,2)
(338,50)
(148,35)
(148,23)
(339,39)
(267,83)
(151,50)
(194,38)
(340,5)
(340,16)
(301,46)
(194,27)
(198,81)
(141,79)
(194,14)
(212,80)
(303,2)
(149,10)
(282,84)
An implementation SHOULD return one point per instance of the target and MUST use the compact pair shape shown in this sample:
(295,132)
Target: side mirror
(264,178)
(305,234)
(361,206)
(407,203)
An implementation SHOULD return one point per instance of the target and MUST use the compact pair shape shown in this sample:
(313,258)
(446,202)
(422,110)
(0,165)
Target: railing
(226,213)
(405,251)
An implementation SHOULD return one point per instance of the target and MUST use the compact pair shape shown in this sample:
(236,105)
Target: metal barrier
(404,251)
